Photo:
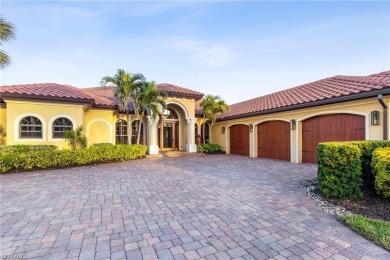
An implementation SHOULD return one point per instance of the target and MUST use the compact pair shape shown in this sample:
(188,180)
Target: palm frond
(7,30)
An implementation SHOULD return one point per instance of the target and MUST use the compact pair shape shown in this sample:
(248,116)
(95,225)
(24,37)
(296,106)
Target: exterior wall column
(152,136)
(191,146)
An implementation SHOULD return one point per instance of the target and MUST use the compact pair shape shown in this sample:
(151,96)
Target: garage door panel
(239,139)
(273,140)
(329,128)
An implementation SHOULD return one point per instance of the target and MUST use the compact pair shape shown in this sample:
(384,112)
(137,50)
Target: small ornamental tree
(76,138)
(148,97)
(211,107)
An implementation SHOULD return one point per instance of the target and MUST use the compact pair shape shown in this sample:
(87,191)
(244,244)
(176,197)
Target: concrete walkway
(210,207)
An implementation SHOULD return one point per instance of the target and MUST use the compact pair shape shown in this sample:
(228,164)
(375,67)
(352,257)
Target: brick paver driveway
(190,207)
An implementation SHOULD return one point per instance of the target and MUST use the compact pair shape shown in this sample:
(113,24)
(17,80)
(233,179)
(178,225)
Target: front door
(169,136)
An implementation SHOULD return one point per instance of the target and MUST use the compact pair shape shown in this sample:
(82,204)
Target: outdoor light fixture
(223,129)
(375,117)
(250,128)
(293,124)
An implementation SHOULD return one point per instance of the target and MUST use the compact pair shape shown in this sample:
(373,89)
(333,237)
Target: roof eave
(24,97)
(196,97)
(358,96)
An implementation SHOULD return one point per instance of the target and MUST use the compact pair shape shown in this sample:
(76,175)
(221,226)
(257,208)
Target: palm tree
(126,86)
(7,32)
(211,107)
(149,97)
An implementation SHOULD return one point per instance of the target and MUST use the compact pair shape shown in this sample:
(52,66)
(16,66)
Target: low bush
(367,148)
(209,148)
(103,144)
(339,170)
(53,158)
(381,168)
(24,148)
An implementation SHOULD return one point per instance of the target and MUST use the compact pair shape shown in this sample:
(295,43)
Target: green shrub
(381,169)
(103,144)
(50,158)
(76,138)
(24,148)
(209,148)
(367,148)
(339,170)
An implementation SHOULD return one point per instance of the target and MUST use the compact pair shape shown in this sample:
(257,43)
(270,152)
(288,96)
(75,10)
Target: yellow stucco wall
(3,118)
(361,107)
(100,126)
(46,112)
(186,104)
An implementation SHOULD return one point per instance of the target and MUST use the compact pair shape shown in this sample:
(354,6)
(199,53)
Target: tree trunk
(204,130)
(140,126)
(128,127)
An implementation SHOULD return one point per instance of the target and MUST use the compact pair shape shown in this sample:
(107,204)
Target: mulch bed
(371,205)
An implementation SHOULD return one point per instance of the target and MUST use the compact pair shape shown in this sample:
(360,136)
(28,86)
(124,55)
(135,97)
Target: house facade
(285,125)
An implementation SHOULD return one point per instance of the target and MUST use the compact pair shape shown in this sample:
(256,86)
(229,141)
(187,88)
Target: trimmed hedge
(209,148)
(381,168)
(24,148)
(339,170)
(53,158)
(367,148)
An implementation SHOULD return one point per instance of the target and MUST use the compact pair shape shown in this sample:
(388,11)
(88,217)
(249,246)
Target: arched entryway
(239,139)
(328,128)
(273,140)
(171,132)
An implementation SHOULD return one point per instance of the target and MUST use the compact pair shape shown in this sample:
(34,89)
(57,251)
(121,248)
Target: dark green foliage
(367,148)
(209,148)
(53,158)
(381,169)
(76,138)
(339,170)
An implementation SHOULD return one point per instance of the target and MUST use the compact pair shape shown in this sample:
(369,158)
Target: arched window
(60,125)
(207,134)
(134,136)
(30,127)
(121,131)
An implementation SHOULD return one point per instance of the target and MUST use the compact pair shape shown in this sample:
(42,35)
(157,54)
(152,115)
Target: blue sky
(238,50)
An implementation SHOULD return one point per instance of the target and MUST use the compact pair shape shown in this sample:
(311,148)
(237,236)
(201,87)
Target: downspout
(385,117)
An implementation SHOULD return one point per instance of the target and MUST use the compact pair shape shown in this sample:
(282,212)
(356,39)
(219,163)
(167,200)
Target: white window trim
(50,127)
(17,138)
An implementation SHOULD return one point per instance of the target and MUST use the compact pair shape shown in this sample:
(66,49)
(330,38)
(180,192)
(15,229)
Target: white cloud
(213,55)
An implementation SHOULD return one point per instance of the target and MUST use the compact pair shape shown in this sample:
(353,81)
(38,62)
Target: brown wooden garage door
(327,128)
(273,140)
(239,139)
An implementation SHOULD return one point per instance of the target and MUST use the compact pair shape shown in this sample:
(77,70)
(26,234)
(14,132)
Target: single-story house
(286,125)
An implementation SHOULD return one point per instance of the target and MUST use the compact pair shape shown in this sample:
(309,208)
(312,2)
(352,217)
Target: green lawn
(375,230)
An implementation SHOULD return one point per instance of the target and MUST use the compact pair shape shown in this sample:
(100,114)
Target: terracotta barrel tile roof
(333,87)
(46,90)
(179,90)
(198,109)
